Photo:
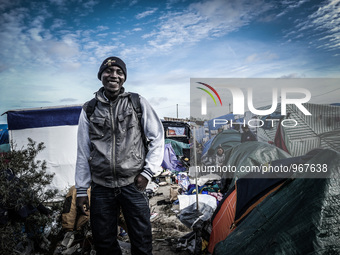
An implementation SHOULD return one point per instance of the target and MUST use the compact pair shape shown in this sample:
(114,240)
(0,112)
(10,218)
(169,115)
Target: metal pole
(177,110)
(195,163)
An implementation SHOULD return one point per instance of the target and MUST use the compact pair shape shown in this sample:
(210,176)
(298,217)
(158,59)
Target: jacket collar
(100,95)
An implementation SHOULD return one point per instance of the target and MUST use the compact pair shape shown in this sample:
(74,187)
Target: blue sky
(51,50)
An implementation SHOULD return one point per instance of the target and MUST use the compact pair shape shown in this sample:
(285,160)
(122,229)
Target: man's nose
(113,74)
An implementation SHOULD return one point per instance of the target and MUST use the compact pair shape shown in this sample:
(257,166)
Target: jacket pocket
(97,125)
(126,119)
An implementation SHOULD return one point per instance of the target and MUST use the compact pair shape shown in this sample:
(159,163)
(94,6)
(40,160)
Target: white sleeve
(154,133)
(82,173)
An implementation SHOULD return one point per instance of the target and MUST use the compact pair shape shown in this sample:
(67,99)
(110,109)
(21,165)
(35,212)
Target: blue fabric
(250,190)
(4,134)
(207,145)
(43,117)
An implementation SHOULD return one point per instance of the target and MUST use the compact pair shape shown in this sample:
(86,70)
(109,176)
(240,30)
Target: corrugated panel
(321,129)
(301,146)
(266,135)
(331,140)
(324,118)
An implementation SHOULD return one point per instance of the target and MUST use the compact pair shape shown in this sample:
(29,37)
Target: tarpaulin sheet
(251,154)
(227,139)
(303,217)
(177,146)
(46,117)
(57,129)
(170,160)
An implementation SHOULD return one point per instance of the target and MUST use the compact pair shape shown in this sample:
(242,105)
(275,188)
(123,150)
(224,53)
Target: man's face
(113,79)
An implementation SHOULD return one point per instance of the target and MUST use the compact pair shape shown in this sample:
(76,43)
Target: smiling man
(120,147)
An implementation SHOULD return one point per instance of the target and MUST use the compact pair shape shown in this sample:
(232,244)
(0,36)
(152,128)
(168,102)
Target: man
(220,156)
(113,160)
(247,135)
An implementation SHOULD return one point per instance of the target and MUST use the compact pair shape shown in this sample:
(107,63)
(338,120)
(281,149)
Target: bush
(23,193)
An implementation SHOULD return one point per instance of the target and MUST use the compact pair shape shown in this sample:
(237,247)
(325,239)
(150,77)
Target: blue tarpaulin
(43,117)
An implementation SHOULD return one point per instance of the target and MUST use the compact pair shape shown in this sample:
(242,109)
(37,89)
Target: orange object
(223,221)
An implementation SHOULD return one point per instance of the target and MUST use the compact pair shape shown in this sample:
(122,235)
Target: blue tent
(4,134)
(224,117)
(4,139)
(207,145)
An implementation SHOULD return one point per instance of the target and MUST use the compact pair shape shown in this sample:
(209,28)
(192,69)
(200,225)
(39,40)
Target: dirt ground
(166,224)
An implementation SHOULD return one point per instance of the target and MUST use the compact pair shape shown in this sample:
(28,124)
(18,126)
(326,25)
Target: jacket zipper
(113,161)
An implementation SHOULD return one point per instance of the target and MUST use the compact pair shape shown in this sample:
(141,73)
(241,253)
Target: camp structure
(321,129)
(57,128)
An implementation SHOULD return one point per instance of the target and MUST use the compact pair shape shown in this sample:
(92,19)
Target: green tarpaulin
(302,217)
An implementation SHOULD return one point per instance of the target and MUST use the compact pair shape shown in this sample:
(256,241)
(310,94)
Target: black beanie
(112,61)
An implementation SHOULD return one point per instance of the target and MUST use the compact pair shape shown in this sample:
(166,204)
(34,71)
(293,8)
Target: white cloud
(90,4)
(102,28)
(132,3)
(68,100)
(261,57)
(59,2)
(323,23)
(57,23)
(4,4)
(288,5)
(146,13)
(203,20)
(62,50)
(293,76)
(156,101)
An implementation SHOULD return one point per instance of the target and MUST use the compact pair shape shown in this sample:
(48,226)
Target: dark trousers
(105,205)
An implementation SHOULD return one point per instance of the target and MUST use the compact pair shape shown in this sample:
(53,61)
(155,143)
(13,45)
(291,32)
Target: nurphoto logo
(245,97)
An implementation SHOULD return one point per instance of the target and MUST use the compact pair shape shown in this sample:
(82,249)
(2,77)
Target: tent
(180,149)
(4,138)
(249,156)
(296,215)
(240,200)
(227,117)
(170,160)
(227,139)
(57,128)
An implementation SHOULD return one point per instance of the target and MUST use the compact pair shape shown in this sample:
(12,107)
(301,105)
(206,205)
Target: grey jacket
(111,151)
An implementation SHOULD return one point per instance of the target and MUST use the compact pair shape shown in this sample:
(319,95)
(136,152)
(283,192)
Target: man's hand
(83,205)
(141,182)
